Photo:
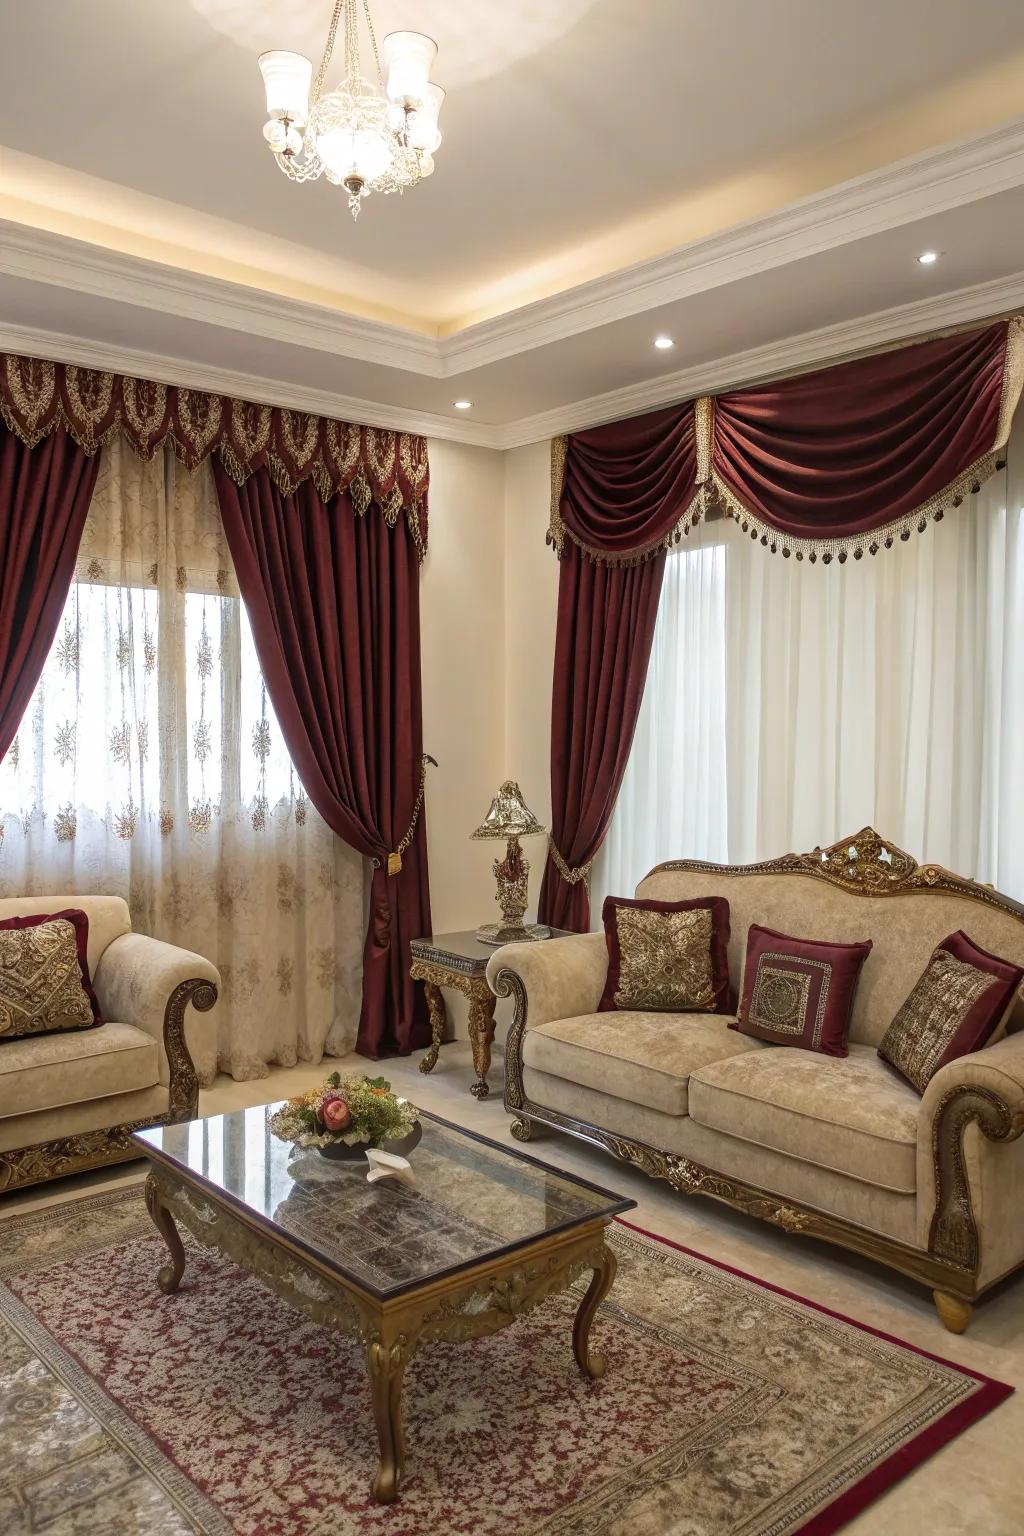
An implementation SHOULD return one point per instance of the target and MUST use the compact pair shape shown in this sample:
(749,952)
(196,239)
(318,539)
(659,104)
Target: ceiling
(736,174)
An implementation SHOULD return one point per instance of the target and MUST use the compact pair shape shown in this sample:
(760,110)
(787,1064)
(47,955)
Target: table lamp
(510,818)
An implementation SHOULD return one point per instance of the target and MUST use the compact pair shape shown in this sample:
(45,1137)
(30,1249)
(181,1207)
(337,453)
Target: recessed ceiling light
(927,257)
(663,343)
(462,405)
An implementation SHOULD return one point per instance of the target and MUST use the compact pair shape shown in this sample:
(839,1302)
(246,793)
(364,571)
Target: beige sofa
(841,1149)
(70,1101)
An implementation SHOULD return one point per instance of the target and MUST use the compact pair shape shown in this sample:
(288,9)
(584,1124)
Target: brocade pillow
(667,956)
(799,991)
(44,975)
(955,1007)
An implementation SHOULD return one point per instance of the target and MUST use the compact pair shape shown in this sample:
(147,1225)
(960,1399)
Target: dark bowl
(340,1151)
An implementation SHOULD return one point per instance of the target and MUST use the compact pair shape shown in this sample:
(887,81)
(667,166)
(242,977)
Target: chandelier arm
(332,33)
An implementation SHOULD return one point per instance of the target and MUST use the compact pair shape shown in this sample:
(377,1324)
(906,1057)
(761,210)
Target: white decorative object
(367,136)
(387,1165)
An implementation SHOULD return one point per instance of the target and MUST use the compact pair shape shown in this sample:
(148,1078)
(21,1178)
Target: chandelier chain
(332,33)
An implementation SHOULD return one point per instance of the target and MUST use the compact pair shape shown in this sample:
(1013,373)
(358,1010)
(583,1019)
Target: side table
(459,960)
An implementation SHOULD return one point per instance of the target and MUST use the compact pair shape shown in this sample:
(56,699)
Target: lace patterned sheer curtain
(788,704)
(149,765)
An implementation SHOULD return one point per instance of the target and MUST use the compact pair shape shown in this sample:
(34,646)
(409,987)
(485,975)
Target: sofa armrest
(970,1187)
(148,983)
(560,977)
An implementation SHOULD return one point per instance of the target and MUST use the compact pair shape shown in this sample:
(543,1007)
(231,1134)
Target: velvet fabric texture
(626,485)
(840,452)
(333,600)
(955,1008)
(41,990)
(603,637)
(660,959)
(799,991)
(44,497)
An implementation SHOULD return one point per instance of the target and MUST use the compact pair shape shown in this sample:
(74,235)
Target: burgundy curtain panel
(333,599)
(45,493)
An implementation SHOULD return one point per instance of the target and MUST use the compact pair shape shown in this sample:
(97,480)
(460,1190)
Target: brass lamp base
(497,933)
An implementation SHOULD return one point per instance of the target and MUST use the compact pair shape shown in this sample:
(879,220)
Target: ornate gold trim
(1013,379)
(571,876)
(65,1155)
(437,974)
(953,1234)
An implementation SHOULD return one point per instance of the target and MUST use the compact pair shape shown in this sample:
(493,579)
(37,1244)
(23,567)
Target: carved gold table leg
(169,1277)
(601,1283)
(386,1366)
(481,1033)
(438,1021)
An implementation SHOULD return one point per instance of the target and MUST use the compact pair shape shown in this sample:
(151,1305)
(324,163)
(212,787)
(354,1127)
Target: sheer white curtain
(789,704)
(149,764)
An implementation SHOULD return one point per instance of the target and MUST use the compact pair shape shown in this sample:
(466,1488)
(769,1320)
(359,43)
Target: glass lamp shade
(509,816)
(423,130)
(408,58)
(350,132)
(286,77)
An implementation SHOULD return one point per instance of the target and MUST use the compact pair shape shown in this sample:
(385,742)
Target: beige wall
(488,622)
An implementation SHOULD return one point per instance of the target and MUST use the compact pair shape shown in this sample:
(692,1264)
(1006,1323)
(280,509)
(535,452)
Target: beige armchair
(70,1101)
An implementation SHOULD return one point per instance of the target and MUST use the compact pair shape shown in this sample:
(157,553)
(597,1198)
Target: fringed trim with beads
(860,544)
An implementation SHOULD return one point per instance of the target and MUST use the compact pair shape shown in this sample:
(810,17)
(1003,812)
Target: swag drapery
(365,491)
(844,461)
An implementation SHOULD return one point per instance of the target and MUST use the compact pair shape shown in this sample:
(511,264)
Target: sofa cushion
(852,1115)
(46,1071)
(646,1058)
(668,956)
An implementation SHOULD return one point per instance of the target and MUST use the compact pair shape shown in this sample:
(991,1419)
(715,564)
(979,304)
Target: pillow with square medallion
(44,975)
(667,956)
(799,991)
(955,1007)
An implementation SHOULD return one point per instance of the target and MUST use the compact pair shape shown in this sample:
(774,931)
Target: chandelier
(366,136)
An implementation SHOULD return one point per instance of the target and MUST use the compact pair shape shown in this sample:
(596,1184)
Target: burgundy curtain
(606,617)
(333,599)
(859,454)
(44,497)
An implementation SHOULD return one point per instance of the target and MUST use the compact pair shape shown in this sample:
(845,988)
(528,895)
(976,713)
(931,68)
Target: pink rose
(335,1113)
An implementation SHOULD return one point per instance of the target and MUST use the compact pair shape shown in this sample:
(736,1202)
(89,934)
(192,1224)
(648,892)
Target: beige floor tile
(975,1485)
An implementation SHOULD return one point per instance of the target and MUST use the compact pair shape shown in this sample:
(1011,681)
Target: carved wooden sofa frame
(863,865)
(95,1149)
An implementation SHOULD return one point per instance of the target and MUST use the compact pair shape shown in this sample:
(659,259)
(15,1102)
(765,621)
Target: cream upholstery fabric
(905,929)
(644,1057)
(854,1115)
(44,1071)
(135,978)
(995,1170)
(878,1210)
(19,1131)
(108,918)
(564,977)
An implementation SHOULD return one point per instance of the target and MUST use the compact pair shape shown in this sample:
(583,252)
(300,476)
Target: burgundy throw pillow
(667,956)
(955,1007)
(799,991)
(45,985)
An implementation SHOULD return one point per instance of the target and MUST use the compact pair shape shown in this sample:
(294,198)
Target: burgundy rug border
(903,1461)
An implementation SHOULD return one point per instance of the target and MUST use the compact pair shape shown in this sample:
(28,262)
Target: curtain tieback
(569,875)
(395,858)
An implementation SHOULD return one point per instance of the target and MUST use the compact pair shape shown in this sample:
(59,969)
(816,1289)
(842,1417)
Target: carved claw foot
(522,1130)
(479,1089)
(600,1284)
(438,1024)
(386,1368)
(169,1277)
(954,1311)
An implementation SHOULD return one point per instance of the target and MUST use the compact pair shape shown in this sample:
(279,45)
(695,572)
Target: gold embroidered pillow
(667,956)
(955,1007)
(44,975)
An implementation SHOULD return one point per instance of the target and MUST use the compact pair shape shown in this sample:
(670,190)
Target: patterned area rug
(729,1408)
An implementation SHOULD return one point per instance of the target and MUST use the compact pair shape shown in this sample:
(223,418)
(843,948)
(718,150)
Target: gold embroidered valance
(372,464)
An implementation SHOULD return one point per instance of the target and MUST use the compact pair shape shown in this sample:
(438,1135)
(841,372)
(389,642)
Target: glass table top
(471,1199)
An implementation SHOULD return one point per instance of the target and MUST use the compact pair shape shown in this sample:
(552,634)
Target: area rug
(729,1408)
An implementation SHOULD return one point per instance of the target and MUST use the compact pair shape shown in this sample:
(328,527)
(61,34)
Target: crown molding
(42,256)
(910,189)
(829,344)
(163,369)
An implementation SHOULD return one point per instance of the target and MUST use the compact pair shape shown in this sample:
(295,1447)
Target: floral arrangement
(351,1110)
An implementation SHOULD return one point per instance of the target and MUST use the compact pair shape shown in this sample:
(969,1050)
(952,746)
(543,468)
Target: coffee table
(483,1235)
